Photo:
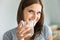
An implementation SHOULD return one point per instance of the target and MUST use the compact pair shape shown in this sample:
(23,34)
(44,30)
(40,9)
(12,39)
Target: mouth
(32,21)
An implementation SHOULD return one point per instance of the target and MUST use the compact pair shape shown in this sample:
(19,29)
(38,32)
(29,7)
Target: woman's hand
(23,33)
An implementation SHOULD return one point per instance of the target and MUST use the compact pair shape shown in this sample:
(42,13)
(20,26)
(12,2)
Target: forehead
(35,7)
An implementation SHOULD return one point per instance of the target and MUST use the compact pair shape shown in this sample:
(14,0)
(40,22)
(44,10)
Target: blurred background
(8,16)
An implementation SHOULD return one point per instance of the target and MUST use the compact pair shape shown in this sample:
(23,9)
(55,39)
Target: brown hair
(39,25)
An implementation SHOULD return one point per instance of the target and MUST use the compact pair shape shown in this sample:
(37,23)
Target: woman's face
(32,12)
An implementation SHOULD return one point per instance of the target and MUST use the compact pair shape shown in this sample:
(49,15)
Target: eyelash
(39,13)
(32,11)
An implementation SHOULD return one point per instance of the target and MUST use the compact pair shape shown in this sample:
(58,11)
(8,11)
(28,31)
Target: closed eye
(39,12)
(31,11)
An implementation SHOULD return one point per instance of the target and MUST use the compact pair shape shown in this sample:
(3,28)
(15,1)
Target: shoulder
(11,31)
(9,34)
(47,30)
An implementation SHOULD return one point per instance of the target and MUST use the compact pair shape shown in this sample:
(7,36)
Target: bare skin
(23,32)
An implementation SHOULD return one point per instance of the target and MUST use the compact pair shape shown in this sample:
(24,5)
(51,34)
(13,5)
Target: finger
(28,35)
(19,25)
(19,31)
(23,29)
(26,31)
(19,28)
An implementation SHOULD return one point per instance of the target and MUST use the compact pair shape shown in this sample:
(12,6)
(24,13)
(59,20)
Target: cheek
(27,16)
(38,17)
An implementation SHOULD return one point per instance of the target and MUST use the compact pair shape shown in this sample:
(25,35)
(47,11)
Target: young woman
(30,10)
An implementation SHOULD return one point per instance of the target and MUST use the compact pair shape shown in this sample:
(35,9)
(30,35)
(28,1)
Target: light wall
(52,8)
(8,13)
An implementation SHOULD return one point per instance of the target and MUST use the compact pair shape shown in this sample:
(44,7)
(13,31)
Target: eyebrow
(33,11)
